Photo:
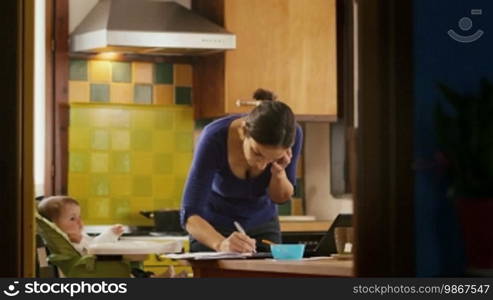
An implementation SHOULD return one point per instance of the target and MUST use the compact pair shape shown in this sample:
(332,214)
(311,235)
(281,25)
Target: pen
(240,229)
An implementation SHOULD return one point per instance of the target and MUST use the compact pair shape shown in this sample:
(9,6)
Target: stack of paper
(209,255)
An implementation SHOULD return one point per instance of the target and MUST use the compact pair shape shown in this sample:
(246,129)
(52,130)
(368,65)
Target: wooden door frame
(384,202)
(16,134)
(57,108)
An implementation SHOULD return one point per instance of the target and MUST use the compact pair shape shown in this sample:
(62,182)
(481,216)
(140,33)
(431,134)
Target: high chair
(72,264)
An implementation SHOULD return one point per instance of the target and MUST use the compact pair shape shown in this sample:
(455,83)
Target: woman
(243,166)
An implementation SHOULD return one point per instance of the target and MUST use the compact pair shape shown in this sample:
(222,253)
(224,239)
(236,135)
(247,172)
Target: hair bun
(261,94)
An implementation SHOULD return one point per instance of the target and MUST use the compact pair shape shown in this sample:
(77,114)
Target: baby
(65,213)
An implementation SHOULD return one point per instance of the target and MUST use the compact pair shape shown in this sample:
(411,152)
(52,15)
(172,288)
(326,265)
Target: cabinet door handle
(240,102)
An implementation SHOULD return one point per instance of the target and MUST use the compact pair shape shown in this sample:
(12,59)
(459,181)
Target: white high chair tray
(135,247)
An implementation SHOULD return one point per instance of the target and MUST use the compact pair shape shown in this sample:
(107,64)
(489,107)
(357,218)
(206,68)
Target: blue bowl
(287,251)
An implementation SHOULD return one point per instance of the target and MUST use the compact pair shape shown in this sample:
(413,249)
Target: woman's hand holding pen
(237,242)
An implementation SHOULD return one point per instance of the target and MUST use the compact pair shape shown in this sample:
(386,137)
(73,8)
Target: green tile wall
(127,158)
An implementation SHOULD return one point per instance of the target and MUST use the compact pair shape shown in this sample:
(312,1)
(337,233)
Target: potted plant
(464,128)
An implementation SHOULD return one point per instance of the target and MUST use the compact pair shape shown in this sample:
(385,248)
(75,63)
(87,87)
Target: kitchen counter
(321,267)
(300,226)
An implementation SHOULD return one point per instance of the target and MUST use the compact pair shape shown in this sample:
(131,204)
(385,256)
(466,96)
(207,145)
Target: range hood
(148,27)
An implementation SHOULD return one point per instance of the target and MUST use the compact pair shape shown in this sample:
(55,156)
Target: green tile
(100,140)
(120,162)
(142,186)
(121,118)
(121,71)
(164,120)
(80,117)
(120,140)
(183,95)
(201,123)
(183,141)
(284,209)
(299,188)
(100,92)
(100,185)
(163,163)
(121,206)
(143,94)
(78,162)
(141,140)
(78,70)
(100,208)
(163,73)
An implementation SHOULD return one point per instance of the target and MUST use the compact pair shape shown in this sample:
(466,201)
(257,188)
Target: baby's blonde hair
(51,207)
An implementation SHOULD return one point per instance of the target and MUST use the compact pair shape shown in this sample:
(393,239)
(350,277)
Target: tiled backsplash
(130,137)
(130,82)
(127,158)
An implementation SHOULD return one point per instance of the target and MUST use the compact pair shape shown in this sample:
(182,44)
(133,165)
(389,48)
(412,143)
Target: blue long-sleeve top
(213,192)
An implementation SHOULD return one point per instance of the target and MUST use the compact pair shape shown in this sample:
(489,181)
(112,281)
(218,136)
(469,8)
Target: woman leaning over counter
(242,167)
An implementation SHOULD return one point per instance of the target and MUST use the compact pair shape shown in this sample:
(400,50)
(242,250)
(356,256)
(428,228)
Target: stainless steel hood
(148,27)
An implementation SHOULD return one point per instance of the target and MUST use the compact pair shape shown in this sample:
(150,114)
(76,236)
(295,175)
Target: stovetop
(150,231)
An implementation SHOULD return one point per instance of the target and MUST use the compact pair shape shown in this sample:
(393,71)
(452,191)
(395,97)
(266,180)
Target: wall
(130,137)
(439,58)
(319,201)
(39,98)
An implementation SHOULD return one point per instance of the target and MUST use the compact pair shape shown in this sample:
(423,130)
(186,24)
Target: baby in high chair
(64,211)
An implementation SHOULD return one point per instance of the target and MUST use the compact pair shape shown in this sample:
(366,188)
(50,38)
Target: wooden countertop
(299,226)
(327,267)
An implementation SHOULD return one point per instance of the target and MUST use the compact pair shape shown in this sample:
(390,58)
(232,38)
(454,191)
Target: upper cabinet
(287,46)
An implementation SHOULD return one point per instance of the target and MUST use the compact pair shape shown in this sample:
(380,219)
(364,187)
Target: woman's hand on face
(238,242)
(279,165)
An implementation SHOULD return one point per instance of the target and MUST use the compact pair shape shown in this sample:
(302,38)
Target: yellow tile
(163,141)
(183,75)
(79,138)
(163,186)
(78,185)
(182,163)
(78,91)
(121,93)
(141,203)
(99,162)
(121,185)
(142,72)
(99,71)
(163,94)
(142,163)
(142,119)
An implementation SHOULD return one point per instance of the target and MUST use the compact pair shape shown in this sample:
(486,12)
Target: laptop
(326,246)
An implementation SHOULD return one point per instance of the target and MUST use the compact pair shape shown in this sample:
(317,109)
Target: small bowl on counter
(287,251)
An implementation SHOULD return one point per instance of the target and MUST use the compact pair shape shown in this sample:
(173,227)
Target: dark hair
(272,122)
(51,207)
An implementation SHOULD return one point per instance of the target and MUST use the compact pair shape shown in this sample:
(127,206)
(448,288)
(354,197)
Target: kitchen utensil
(165,220)
(268,242)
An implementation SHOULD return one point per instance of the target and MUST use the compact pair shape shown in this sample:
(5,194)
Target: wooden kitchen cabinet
(288,46)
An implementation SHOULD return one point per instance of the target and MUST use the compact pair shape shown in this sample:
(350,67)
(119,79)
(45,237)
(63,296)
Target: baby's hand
(117,229)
